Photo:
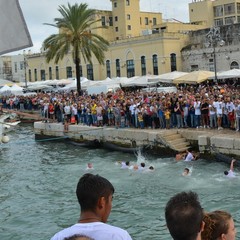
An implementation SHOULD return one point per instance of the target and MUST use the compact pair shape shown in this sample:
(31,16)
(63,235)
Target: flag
(14,33)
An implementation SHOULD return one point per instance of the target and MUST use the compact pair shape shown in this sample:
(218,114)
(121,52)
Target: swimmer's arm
(232,162)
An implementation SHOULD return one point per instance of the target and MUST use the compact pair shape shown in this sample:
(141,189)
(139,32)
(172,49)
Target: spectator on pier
(184,216)
(94,195)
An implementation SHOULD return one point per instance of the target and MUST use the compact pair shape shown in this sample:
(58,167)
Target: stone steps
(175,141)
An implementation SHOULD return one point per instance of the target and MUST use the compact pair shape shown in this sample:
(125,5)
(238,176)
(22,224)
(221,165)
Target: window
(118,71)
(103,21)
(173,60)
(57,72)
(110,21)
(154,21)
(15,67)
(195,68)
(69,72)
(80,70)
(35,74)
(218,22)
(155,64)
(218,11)
(108,68)
(210,65)
(146,21)
(140,21)
(143,65)
(229,8)
(129,27)
(128,16)
(130,68)
(238,8)
(128,2)
(234,65)
(43,75)
(90,72)
(115,4)
(29,75)
(116,29)
(116,18)
(50,73)
(22,65)
(230,20)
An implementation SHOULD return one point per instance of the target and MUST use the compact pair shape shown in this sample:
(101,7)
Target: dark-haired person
(231,173)
(94,195)
(184,216)
(78,237)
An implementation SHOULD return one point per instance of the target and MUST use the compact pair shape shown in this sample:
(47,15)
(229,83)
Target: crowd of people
(185,217)
(214,107)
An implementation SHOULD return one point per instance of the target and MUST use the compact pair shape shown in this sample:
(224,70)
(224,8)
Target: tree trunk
(78,77)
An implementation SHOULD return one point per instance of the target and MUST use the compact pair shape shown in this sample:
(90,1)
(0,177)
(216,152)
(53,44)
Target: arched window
(29,75)
(50,73)
(234,65)
(108,68)
(173,60)
(118,70)
(90,72)
(130,68)
(57,72)
(143,65)
(155,64)
(69,72)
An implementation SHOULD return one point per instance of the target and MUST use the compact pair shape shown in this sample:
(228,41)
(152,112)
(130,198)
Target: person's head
(151,168)
(185,171)
(225,172)
(90,165)
(127,163)
(219,225)
(184,216)
(94,194)
(142,164)
(78,237)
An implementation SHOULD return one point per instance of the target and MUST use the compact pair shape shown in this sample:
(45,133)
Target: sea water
(38,181)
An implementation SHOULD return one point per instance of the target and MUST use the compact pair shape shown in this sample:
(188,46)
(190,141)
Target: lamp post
(213,37)
(25,65)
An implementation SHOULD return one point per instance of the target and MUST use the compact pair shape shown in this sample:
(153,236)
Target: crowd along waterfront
(38,181)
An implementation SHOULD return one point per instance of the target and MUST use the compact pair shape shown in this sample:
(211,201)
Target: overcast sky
(44,11)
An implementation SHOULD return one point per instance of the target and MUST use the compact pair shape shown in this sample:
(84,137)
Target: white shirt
(231,174)
(189,157)
(95,230)
(218,106)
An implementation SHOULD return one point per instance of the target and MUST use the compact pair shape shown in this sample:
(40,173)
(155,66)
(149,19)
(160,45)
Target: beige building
(140,43)
(214,12)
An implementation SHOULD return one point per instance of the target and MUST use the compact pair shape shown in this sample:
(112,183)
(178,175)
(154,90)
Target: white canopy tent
(5,90)
(167,77)
(233,73)
(16,90)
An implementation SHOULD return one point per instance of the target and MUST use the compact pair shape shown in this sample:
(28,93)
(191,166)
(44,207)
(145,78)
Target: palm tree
(75,33)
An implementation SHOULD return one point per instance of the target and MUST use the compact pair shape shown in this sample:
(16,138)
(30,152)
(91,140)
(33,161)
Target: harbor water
(38,181)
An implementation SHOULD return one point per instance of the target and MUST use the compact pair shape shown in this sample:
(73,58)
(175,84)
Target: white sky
(44,11)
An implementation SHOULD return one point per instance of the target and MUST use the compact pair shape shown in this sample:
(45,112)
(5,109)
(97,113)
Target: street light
(25,67)
(213,37)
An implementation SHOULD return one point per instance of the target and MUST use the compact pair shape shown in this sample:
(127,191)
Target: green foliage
(75,34)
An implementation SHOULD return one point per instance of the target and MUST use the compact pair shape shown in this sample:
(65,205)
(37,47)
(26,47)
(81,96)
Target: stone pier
(175,140)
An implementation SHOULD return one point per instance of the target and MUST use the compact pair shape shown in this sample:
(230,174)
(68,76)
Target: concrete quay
(130,139)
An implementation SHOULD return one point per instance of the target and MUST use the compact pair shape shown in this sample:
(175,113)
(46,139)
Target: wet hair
(216,224)
(90,188)
(151,168)
(78,237)
(142,164)
(127,163)
(225,172)
(184,216)
(186,169)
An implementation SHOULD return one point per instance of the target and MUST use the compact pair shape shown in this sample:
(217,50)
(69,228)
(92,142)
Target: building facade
(140,43)
(214,12)
(199,54)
